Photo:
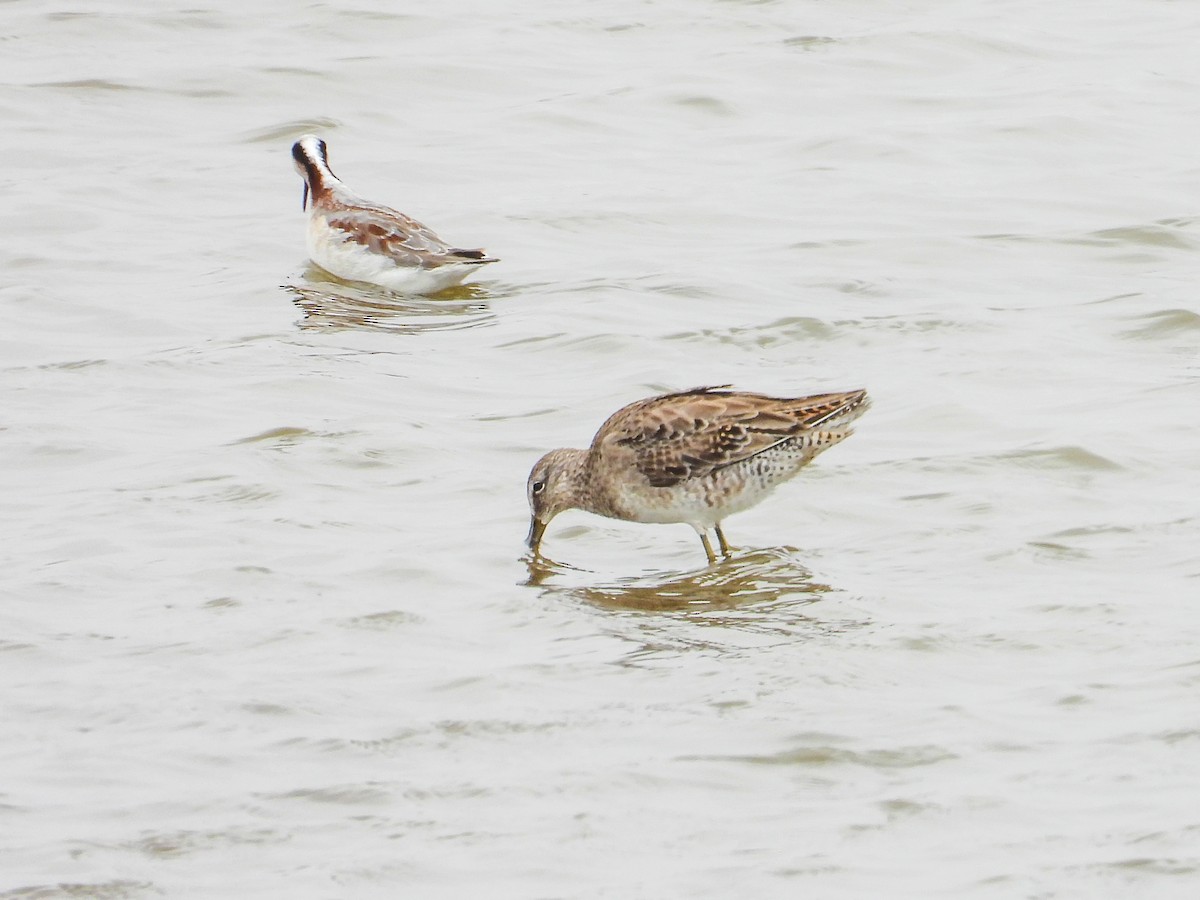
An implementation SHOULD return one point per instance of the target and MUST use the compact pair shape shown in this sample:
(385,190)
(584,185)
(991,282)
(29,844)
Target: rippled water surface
(267,626)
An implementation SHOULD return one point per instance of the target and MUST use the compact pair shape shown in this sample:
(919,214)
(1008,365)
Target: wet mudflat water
(267,626)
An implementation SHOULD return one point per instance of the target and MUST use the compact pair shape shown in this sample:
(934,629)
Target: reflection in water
(744,579)
(331,305)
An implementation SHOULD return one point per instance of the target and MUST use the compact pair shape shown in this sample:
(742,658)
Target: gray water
(268,629)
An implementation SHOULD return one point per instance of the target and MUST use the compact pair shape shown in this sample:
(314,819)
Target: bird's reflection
(333,305)
(746,578)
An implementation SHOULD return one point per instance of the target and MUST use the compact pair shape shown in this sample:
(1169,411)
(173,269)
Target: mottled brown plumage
(692,457)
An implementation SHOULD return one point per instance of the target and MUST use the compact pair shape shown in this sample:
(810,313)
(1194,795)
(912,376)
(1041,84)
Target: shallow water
(268,628)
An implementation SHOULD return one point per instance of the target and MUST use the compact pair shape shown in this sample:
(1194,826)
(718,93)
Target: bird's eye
(539,486)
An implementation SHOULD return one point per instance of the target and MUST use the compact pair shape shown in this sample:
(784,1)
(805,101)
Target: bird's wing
(401,238)
(675,437)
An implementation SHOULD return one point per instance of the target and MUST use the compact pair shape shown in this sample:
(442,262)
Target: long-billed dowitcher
(692,457)
(358,240)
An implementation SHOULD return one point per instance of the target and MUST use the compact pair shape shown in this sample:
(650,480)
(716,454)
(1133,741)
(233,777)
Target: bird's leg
(712,557)
(725,551)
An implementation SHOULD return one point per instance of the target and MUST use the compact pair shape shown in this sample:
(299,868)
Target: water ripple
(117,889)
(1165,323)
(824,754)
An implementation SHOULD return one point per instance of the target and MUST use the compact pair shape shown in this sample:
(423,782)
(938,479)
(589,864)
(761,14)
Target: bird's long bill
(536,529)
(304,202)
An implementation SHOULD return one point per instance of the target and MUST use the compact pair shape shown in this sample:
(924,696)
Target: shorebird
(357,240)
(692,457)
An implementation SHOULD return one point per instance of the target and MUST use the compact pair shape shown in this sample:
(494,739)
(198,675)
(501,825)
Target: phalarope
(358,240)
(692,457)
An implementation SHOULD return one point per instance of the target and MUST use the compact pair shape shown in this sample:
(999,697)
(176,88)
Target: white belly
(699,503)
(706,501)
(352,261)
